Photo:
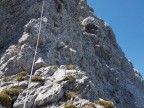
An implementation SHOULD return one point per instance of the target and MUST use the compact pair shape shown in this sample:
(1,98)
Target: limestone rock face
(78,58)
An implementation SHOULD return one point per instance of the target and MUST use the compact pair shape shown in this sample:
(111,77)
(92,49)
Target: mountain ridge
(74,37)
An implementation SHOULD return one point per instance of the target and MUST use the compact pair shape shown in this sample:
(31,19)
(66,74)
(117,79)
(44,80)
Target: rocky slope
(78,59)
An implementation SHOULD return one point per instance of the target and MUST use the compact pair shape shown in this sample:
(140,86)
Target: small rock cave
(90,28)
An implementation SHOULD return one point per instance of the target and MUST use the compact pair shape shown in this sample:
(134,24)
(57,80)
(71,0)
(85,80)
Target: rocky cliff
(78,59)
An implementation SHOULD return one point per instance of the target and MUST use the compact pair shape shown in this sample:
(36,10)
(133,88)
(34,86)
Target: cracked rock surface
(78,59)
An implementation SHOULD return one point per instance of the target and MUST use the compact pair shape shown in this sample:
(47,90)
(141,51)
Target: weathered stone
(6,83)
(49,95)
(21,100)
(23,84)
(1,106)
(74,36)
(40,63)
(80,102)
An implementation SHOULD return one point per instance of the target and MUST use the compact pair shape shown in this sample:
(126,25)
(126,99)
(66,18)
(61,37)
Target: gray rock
(21,100)
(99,106)
(44,71)
(23,84)
(80,102)
(1,106)
(40,63)
(49,95)
(34,85)
(74,36)
(6,83)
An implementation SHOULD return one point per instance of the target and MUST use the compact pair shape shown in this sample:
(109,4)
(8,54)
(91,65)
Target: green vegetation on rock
(106,104)
(70,95)
(89,105)
(7,95)
(70,106)
(70,78)
(54,67)
(23,73)
(36,79)
(5,100)
(20,76)
(70,67)
(12,92)
(6,79)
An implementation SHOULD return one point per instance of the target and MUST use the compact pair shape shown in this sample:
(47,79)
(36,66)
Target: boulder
(49,95)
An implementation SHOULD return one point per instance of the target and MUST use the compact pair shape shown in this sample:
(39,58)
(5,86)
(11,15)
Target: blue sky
(126,17)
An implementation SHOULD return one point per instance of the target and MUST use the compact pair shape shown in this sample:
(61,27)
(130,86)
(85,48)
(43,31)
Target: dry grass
(23,73)
(6,79)
(106,104)
(70,106)
(7,95)
(75,89)
(70,67)
(70,95)
(12,92)
(90,105)
(70,78)
(54,67)
(5,100)
(36,79)
(20,78)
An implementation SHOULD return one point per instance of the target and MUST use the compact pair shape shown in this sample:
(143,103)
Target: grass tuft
(75,89)
(23,73)
(19,78)
(106,104)
(5,100)
(6,79)
(70,78)
(36,79)
(70,95)
(89,105)
(54,67)
(70,106)
(12,92)
(70,67)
